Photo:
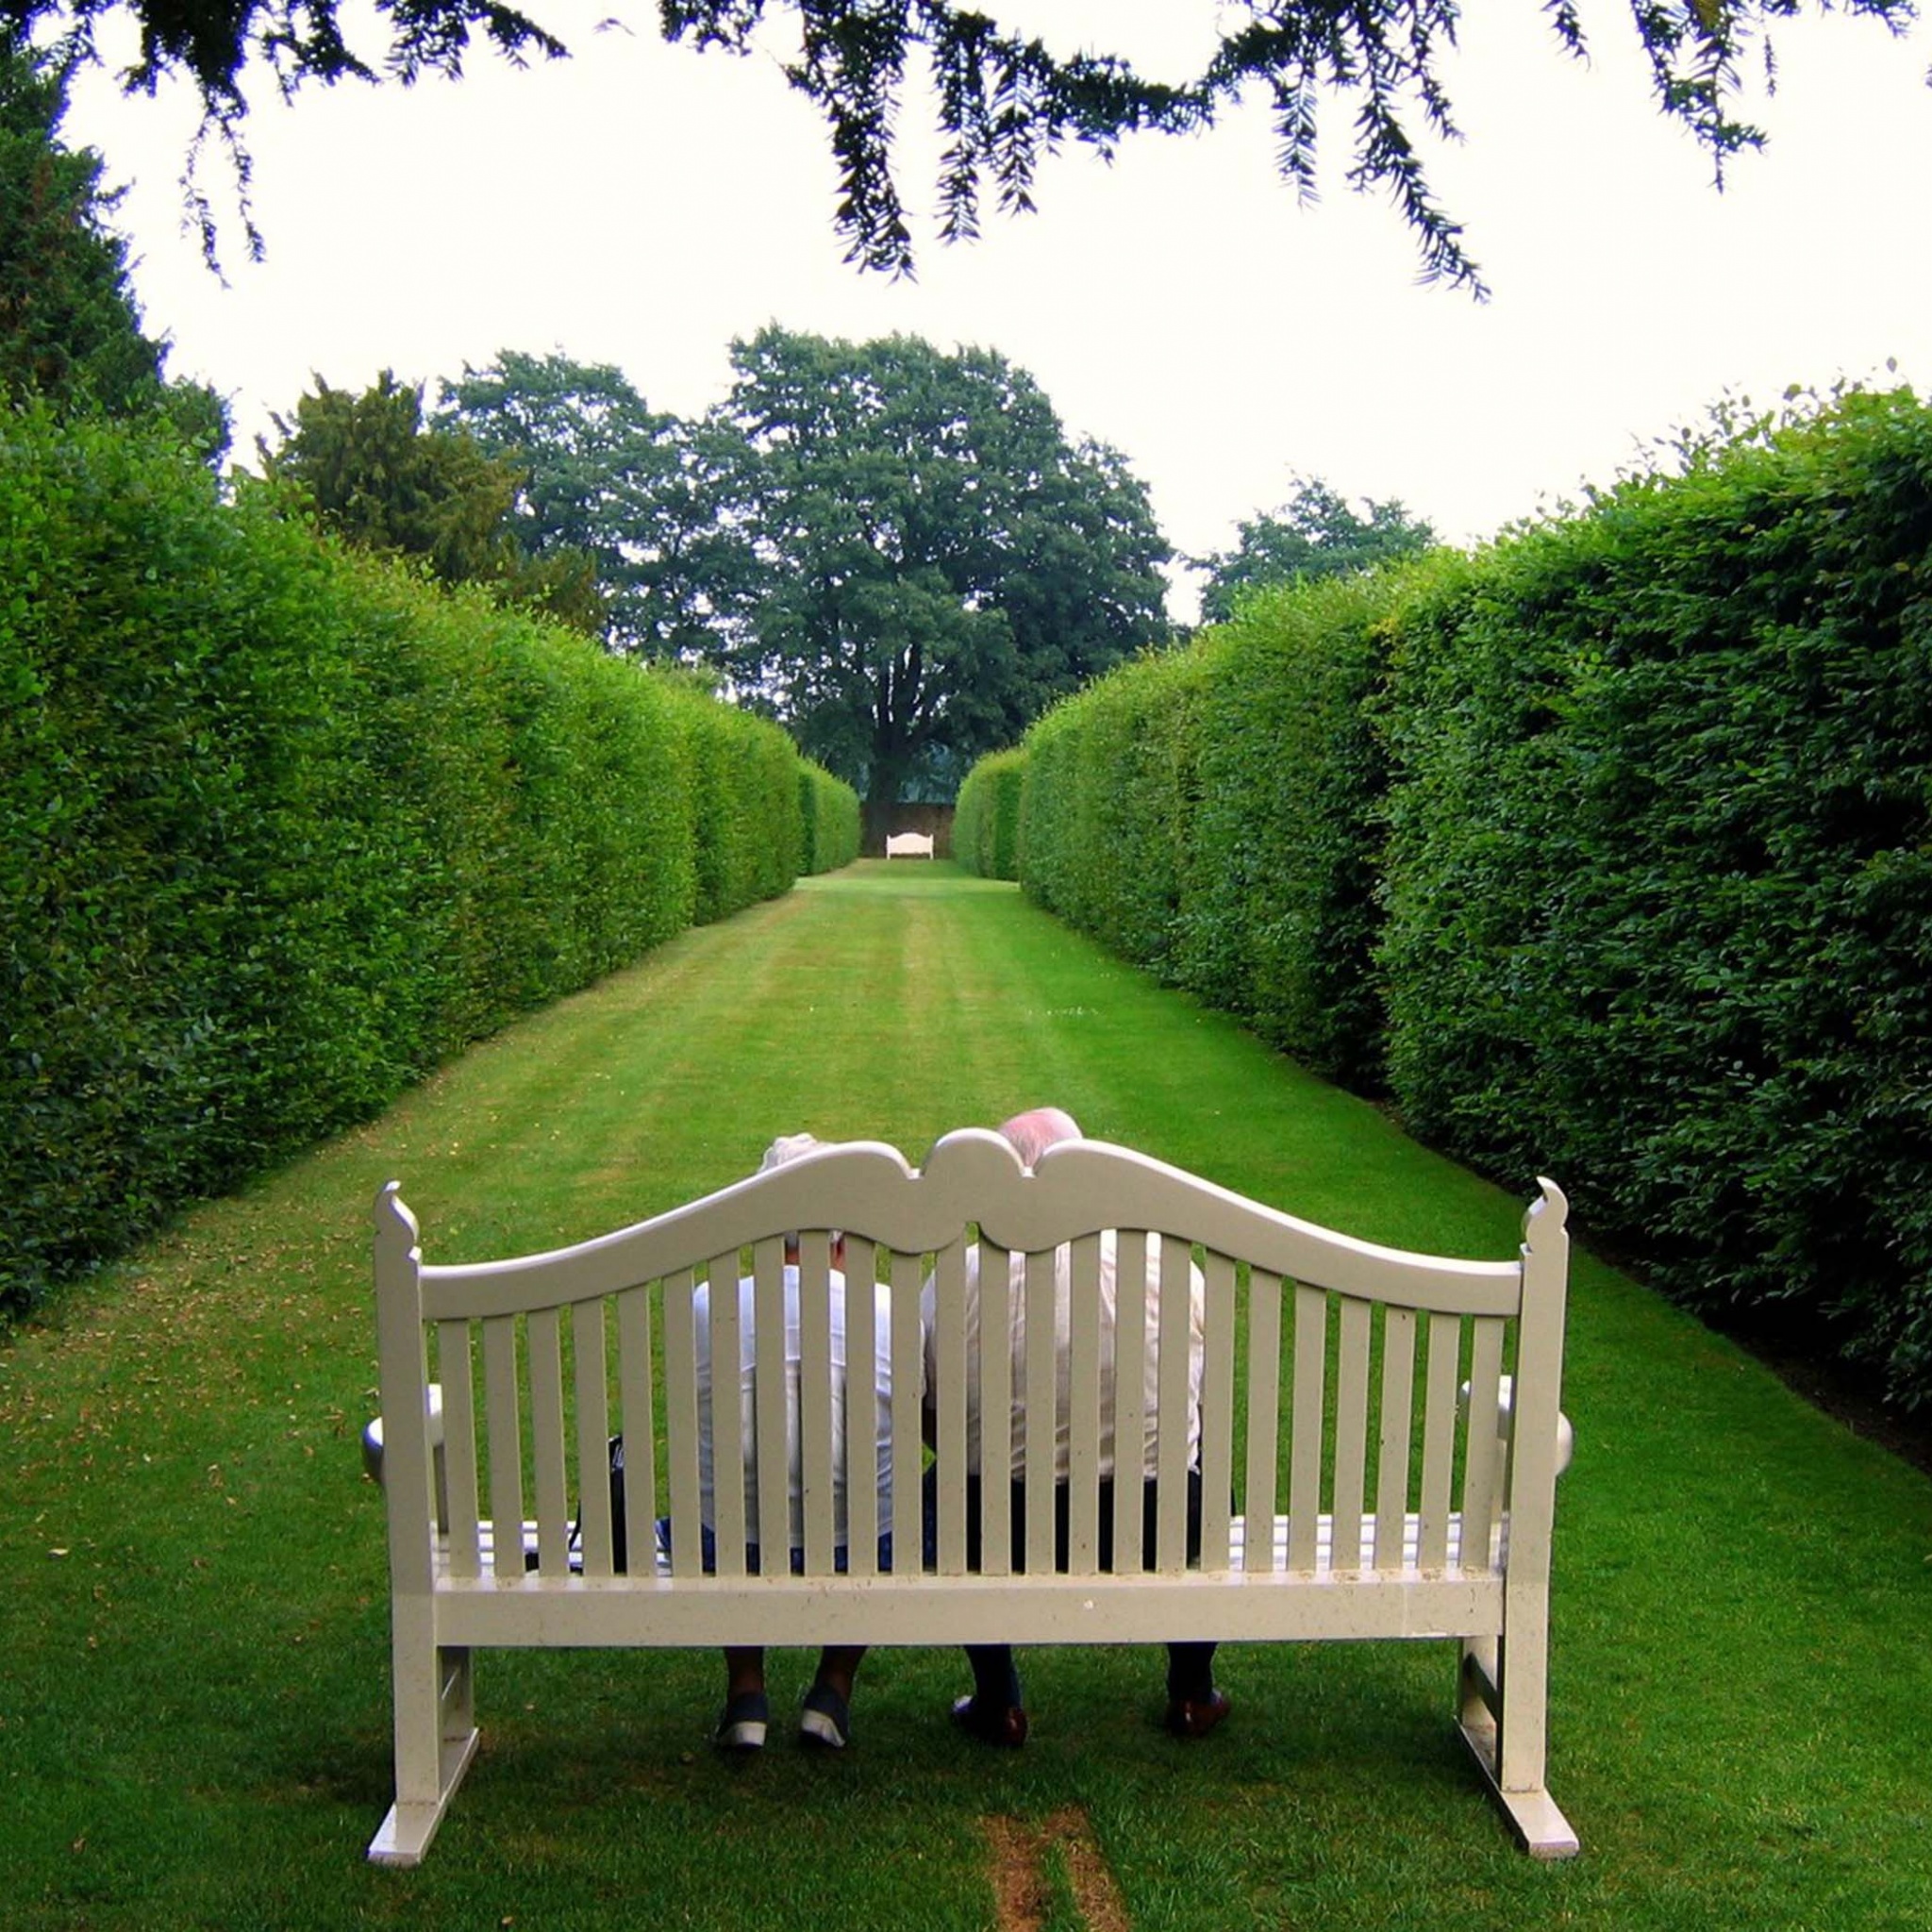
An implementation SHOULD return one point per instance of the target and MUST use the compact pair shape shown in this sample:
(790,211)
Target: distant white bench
(1418,1479)
(909,845)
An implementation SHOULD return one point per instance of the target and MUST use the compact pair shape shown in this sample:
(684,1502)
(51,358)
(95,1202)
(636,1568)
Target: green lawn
(193,1699)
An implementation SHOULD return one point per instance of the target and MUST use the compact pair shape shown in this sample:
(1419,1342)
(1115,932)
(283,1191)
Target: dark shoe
(742,1725)
(1194,1717)
(826,1722)
(991,1723)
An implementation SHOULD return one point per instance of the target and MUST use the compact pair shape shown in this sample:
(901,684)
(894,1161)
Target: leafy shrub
(1660,875)
(986,821)
(1106,806)
(1609,848)
(830,817)
(1280,909)
(283,827)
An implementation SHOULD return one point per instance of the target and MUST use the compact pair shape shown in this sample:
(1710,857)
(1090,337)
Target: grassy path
(192,1646)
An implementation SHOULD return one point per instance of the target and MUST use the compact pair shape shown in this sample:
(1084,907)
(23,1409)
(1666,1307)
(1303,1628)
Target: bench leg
(1504,1704)
(435,1737)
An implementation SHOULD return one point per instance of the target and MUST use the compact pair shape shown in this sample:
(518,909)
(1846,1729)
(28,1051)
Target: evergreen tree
(70,330)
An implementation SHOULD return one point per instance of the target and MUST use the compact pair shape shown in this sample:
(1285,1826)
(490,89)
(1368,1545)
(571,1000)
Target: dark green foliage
(1108,805)
(1280,913)
(986,821)
(281,827)
(604,476)
(1661,881)
(938,560)
(829,815)
(1002,100)
(1223,807)
(1314,534)
(370,471)
(1610,847)
(70,330)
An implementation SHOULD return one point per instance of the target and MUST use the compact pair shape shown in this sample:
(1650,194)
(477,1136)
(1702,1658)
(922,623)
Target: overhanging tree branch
(1002,101)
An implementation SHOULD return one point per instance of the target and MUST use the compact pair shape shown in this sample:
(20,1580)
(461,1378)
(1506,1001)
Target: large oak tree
(1002,100)
(938,560)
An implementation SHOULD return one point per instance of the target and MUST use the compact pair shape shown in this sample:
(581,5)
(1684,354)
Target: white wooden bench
(909,845)
(1395,1482)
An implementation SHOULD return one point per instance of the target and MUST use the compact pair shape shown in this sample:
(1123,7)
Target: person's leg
(1194,1707)
(994,1713)
(827,1720)
(746,1713)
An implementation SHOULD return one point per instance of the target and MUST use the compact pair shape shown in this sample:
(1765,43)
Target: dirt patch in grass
(1021,1889)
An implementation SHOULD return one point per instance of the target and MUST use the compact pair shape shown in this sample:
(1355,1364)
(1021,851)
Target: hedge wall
(281,828)
(1214,814)
(830,817)
(1660,875)
(986,820)
(1609,848)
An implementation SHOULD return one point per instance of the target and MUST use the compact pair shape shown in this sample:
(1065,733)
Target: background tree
(369,469)
(1002,100)
(70,329)
(1314,534)
(607,477)
(938,560)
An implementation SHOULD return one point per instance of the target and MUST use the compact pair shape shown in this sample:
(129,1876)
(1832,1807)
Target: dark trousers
(1190,1666)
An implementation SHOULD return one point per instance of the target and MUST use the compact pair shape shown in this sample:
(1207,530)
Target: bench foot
(1539,1827)
(407,1831)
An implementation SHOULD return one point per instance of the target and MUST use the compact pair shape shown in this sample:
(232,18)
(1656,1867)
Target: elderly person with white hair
(825,1719)
(994,1712)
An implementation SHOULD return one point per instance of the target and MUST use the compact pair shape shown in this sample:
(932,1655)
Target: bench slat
(460,1445)
(681,1423)
(1350,1425)
(951,1372)
(1217,1410)
(1043,1408)
(1398,1412)
(1439,1438)
(635,1394)
(503,1435)
(908,1382)
(995,1280)
(1129,1397)
(721,1395)
(862,1363)
(1265,1397)
(1481,1462)
(815,1408)
(770,1398)
(1083,1407)
(1308,1420)
(1175,1386)
(591,1388)
(545,1328)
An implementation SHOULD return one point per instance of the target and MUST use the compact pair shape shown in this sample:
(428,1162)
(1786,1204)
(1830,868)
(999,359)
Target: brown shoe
(1004,1726)
(1194,1717)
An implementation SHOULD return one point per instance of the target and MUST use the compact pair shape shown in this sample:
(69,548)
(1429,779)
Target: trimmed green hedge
(830,817)
(282,827)
(986,820)
(1214,814)
(1609,849)
(1660,875)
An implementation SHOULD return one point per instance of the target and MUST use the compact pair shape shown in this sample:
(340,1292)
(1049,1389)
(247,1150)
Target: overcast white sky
(644,204)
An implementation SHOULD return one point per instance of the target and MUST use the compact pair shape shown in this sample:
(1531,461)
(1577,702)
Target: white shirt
(747,1391)
(1016,1321)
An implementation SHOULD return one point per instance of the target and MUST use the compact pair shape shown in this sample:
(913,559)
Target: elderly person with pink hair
(995,1712)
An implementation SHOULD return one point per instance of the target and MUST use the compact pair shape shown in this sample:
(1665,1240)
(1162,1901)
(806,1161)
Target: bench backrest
(909,845)
(1332,1372)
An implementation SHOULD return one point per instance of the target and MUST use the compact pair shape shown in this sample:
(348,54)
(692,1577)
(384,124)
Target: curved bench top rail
(869,1190)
